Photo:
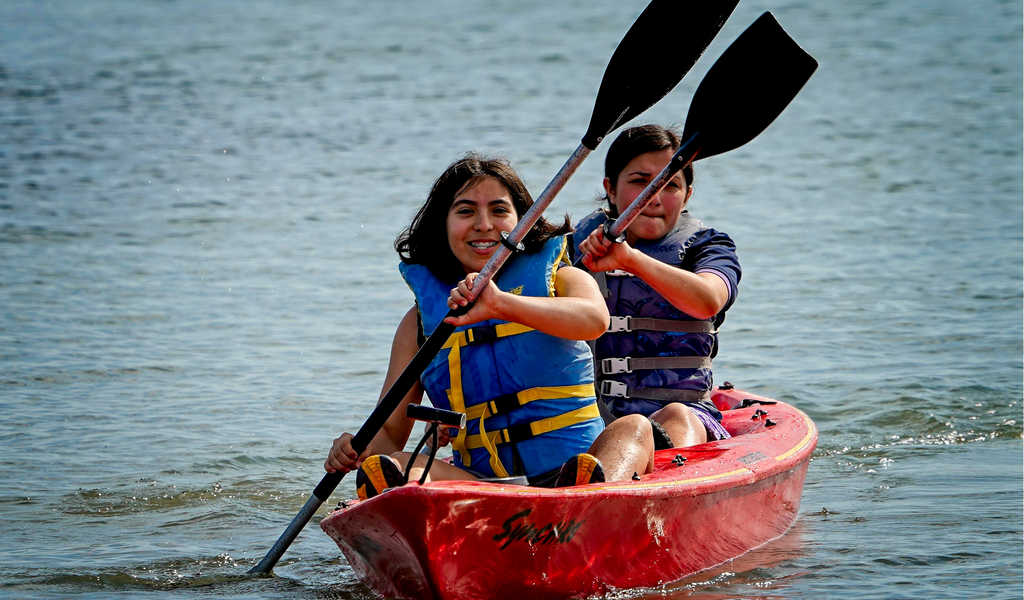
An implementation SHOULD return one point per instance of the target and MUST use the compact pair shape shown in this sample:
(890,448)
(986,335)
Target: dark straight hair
(425,240)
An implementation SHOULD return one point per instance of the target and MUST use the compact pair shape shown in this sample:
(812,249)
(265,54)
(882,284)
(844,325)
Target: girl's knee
(632,423)
(402,458)
(630,428)
(673,412)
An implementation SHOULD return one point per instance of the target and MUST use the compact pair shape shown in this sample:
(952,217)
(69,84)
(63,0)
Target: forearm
(700,295)
(566,317)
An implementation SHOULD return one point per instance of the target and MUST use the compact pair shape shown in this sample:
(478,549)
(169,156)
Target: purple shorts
(712,426)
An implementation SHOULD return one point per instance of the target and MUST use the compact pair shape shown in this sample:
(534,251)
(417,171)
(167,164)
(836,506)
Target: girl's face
(661,214)
(480,212)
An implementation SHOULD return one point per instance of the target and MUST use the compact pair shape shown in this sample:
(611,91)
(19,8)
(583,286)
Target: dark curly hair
(425,240)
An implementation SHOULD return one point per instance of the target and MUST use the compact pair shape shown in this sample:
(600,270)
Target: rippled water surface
(198,291)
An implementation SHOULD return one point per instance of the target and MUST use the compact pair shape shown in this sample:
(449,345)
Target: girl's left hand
(484,308)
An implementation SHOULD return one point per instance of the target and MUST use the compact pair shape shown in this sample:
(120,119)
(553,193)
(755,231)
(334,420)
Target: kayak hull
(471,540)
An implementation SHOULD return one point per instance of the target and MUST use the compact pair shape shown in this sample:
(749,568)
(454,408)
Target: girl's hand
(601,254)
(485,307)
(445,435)
(343,457)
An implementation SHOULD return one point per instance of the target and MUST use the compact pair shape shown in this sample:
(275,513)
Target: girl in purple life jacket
(667,287)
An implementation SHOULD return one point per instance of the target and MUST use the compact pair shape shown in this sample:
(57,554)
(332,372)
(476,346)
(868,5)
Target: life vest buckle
(619,324)
(613,366)
(482,334)
(614,389)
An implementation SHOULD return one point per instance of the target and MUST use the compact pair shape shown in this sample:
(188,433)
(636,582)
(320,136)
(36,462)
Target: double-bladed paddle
(662,45)
(753,81)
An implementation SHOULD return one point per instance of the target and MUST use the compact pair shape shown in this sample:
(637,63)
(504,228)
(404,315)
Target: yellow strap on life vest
(529,395)
(456,400)
(539,427)
(495,461)
(563,256)
(465,337)
(488,409)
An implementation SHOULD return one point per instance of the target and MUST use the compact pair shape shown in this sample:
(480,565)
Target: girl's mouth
(483,246)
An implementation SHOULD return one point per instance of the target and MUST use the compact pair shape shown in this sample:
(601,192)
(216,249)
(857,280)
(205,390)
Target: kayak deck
(701,506)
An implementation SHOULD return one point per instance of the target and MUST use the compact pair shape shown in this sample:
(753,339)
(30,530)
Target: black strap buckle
(503,404)
(484,334)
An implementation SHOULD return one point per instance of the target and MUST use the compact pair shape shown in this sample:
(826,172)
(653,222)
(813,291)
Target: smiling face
(661,214)
(481,211)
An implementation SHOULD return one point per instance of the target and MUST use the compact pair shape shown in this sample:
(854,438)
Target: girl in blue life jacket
(516,364)
(667,287)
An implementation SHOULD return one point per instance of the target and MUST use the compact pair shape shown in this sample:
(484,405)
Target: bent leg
(439,470)
(682,424)
(625,447)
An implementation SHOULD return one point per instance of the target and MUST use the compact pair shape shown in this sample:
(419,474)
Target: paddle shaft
(360,442)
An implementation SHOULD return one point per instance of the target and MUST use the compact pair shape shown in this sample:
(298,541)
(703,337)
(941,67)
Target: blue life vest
(528,396)
(652,353)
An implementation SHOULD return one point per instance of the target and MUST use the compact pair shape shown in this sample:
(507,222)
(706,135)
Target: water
(197,203)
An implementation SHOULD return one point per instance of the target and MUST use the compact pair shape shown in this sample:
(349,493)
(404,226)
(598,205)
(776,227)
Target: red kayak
(702,505)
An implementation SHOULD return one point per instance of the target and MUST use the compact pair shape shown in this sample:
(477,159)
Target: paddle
(753,81)
(649,61)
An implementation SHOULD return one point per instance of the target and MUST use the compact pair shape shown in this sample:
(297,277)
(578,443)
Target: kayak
(701,506)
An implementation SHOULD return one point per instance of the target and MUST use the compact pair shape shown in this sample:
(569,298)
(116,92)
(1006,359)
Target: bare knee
(682,424)
(630,428)
(625,447)
(672,412)
(402,458)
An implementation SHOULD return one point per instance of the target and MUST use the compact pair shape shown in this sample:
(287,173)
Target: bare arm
(576,312)
(396,430)
(700,295)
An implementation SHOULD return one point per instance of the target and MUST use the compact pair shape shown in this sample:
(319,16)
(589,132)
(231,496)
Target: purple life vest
(652,353)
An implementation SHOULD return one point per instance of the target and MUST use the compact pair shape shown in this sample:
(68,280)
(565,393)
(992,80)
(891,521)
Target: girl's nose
(483,222)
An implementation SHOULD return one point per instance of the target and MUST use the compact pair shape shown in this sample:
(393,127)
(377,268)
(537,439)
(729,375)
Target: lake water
(198,291)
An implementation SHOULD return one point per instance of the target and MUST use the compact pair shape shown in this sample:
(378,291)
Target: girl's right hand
(343,457)
(485,307)
(601,254)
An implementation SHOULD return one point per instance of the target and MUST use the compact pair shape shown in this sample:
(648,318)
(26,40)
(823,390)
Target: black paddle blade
(747,87)
(662,45)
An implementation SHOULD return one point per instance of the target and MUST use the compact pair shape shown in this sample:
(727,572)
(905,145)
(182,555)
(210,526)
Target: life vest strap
(525,431)
(628,364)
(483,334)
(506,403)
(610,388)
(620,324)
